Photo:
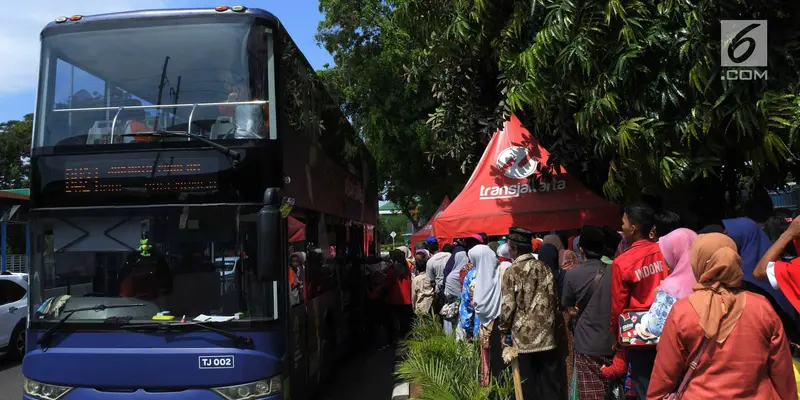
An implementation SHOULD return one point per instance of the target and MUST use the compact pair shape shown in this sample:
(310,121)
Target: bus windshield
(192,262)
(128,81)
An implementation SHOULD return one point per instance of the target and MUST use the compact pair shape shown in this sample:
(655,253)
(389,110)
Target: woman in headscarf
(399,294)
(566,258)
(753,243)
(576,248)
(676,247)
(421,287)
(734,335)
(466,309)
(467,325)
(451,262)
(409,258)
(504,258)
(548,254)
(487,301)
(622,246)
(452,290)
(554,240)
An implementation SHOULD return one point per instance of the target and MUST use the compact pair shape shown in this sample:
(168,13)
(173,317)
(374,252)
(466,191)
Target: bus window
(174,66)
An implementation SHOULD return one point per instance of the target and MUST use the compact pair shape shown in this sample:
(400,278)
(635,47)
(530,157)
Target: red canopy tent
(427,230)
(508,189)
(297,230)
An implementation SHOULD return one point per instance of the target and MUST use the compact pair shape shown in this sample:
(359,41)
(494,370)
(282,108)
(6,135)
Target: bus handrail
(191,114)
(224,103)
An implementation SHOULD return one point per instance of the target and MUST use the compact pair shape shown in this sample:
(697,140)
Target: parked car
(13,313)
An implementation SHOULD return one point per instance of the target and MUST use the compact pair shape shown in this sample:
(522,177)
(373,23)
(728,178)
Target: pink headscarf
(676,247)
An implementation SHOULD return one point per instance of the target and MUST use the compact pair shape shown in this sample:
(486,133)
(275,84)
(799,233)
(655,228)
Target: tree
(15,148)
(371,53)
(396,223)
(626,94)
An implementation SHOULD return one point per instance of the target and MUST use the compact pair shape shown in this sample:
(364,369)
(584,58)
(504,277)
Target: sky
(19,37)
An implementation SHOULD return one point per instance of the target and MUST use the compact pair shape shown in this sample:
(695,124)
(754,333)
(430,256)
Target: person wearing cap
(589,285)
(528,312)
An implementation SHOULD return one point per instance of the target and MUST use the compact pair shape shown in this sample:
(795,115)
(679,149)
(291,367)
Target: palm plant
(446,369)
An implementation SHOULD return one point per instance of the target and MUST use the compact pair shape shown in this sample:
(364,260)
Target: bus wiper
(47,336)
(166,326)
(228,152)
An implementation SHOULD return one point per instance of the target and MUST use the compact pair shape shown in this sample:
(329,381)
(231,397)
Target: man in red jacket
(635,275)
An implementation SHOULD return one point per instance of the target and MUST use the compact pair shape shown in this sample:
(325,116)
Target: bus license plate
(215,362)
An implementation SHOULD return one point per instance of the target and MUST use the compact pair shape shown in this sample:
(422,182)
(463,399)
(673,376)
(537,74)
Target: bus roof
(156,14)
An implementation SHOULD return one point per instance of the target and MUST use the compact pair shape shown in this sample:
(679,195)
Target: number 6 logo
(740,39)
(743,43)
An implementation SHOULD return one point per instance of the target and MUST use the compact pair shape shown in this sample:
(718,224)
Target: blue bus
(199,205)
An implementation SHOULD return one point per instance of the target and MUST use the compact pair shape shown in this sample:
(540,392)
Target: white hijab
(487,283)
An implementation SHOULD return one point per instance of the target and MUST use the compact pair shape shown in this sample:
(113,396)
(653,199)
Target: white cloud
(19,34)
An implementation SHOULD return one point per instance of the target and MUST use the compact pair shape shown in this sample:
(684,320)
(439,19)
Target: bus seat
(99,133)
(222,128)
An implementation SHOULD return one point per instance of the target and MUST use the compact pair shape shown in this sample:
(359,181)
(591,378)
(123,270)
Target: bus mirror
(269,243)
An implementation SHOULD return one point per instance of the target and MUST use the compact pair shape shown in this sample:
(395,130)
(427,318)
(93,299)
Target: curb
(401,388)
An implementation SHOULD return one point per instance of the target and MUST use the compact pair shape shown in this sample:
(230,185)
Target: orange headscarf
(716,299)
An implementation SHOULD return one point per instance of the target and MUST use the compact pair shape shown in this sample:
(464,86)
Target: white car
(13,313)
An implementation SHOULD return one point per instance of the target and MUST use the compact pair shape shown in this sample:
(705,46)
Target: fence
(16,263)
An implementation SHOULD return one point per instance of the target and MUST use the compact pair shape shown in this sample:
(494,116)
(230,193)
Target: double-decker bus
(197,203)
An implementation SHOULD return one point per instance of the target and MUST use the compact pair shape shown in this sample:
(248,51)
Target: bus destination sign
(162,176)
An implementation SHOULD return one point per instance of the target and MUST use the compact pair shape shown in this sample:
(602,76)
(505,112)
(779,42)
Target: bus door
(298,352)
(297,355)
(322,302)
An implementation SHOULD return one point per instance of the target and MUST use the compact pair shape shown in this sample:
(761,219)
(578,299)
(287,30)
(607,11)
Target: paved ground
(10,380)
(368,376)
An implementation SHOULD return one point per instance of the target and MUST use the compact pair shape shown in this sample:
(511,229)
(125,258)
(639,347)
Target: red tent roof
(506,189)
(427,230)
(297,230)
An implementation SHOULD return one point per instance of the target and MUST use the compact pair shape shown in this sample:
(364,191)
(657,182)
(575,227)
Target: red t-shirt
(788,276)
(399,292)
(635,275)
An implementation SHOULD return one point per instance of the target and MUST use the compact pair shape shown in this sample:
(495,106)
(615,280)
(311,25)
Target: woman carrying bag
(721,341)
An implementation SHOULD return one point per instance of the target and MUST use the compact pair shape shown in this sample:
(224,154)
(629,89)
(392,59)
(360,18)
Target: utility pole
(177,92)
(161,85)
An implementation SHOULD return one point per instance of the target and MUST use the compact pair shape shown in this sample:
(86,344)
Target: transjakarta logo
(519,189)
(515,162)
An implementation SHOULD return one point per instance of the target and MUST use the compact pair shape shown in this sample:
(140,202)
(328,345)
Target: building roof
(389,206)
(17,194)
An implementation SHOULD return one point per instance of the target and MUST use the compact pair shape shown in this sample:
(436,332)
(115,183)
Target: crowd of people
(705,314)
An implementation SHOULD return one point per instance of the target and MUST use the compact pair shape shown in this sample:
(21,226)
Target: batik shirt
(466,314)
(529,305)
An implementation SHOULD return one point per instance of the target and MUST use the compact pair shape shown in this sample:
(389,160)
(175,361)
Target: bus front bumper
(189,394)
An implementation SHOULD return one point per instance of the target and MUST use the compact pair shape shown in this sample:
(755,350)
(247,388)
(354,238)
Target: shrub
(446,369)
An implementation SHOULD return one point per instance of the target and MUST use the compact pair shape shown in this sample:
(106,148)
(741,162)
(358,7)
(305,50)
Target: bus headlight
(252,390)
(43,391)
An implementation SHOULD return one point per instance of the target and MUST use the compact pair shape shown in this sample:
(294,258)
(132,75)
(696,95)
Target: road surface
(10,380)
(367,376)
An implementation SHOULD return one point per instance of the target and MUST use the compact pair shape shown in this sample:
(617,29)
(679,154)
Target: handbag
(677,395)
